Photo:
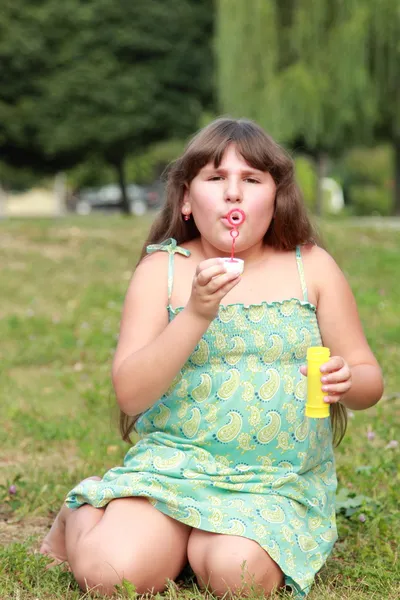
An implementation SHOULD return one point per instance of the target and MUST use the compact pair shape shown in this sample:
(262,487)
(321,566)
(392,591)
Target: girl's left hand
(335,378)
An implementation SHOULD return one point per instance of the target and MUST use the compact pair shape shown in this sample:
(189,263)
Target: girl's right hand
(210,284)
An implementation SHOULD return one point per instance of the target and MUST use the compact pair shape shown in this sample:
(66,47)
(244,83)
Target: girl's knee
(134,542)
(102,574)
(238,566)
(241,581)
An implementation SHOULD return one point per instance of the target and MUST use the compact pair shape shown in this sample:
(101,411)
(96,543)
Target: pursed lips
(225,218)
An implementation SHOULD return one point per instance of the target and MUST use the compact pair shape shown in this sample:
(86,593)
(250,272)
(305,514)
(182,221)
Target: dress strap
(171,247)
(301,273)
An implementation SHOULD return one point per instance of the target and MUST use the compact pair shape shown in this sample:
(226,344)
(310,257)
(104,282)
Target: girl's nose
(233,192)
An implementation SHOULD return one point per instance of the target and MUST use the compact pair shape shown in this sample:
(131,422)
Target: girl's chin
(225,248)
(222,244)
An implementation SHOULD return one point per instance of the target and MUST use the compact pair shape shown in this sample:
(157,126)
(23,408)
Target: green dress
(228,447)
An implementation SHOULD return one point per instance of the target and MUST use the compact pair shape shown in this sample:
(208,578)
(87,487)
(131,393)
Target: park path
(376,222)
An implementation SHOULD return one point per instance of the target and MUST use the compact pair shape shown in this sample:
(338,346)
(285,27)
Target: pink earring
(186,217)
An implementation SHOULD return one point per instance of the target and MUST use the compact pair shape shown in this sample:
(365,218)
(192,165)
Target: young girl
(228,474)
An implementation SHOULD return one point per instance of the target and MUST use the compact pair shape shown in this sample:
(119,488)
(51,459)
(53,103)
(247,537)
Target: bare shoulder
(337,312)
(318,257)
(321,269)
(151,264)
(149,276)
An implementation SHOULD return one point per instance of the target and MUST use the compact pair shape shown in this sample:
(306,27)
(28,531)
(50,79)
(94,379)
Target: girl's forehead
(230,156)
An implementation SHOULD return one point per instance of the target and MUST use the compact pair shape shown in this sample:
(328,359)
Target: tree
(384,61)
(306,71)
(24,62)
(102,77)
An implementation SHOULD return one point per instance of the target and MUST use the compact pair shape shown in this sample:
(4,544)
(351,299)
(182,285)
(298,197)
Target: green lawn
(62,285)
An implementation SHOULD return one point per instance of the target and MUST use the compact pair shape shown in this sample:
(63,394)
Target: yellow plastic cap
(319,353)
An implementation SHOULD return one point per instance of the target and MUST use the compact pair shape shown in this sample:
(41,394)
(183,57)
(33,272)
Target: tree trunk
(125,206)
(60,193)
(396,190)
(3,199)
(322,168)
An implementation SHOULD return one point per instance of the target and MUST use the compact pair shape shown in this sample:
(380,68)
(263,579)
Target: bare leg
(54,542)
(130,540)
(232,564)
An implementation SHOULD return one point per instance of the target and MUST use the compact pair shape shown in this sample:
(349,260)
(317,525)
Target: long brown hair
(289,227)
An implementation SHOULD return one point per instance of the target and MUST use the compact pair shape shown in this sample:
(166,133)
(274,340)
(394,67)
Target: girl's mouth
(236,217)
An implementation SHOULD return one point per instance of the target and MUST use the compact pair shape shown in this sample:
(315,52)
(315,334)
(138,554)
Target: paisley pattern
(228,448)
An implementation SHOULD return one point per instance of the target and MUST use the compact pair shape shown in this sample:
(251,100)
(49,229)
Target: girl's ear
(186,210)
(186,207)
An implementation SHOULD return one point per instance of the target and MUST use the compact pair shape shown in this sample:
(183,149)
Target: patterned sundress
(228,448)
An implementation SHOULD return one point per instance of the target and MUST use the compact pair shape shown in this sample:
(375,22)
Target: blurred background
(97,97)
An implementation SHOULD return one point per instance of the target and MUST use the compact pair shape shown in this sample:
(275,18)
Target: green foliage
(369,165)
(127,590)
(91,172)
(384,55)
(151,164)
(306,179)
(247,55)
(17,179)
(299,69)
(349,503)
(370,200)
(141,168)
(17,563)
(366,174)
(100,78)
(323,75)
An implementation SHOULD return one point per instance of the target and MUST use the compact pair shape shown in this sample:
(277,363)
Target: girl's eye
(219,177)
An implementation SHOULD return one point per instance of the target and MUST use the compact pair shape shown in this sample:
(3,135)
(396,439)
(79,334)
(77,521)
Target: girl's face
(234,184)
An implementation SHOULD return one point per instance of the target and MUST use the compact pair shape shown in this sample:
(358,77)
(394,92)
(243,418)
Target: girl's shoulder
(157,255)
(314,258)
(321,270)
(317,258)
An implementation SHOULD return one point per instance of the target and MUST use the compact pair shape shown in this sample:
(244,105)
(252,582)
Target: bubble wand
(235,217)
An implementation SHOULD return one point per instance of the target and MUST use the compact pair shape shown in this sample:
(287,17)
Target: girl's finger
(205,275)
(217,283)
(332,399)
(337,388)
(337,376)
(335,363)
(227,287)
(206,264)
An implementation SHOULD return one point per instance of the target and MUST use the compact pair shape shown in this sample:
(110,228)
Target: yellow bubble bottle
(315,405)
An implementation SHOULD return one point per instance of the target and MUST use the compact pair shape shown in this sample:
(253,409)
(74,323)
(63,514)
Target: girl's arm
(353,375)
(151,351)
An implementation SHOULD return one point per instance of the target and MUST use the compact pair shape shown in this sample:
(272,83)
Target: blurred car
(108,198)
(155,194)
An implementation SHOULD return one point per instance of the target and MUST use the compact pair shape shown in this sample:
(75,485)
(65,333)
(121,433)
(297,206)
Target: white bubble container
(235,265)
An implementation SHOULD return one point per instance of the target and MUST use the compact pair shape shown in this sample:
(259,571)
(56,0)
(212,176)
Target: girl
(228,473)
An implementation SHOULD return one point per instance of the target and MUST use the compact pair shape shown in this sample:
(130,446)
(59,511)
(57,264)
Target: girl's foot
(54,543)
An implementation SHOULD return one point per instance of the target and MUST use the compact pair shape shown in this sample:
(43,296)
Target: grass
(62,285)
